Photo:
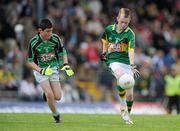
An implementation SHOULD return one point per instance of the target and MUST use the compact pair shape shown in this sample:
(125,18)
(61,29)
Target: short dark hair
(45,23)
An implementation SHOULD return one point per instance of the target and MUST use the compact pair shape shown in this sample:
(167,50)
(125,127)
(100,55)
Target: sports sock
(129,105)
(55,113)
(122,94)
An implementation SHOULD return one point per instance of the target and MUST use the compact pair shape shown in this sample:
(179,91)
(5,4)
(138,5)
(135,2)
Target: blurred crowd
(80,24)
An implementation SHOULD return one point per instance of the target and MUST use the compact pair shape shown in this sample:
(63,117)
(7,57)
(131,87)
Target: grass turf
(86,122)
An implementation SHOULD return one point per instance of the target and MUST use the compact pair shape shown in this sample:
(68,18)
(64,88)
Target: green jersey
(119,44)
(45,53)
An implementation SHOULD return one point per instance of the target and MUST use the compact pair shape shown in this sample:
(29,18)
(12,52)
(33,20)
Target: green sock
(121,92)
(129,105)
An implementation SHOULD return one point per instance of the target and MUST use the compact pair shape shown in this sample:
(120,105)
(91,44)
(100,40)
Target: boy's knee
(130,97)
(49,95)
(57,98)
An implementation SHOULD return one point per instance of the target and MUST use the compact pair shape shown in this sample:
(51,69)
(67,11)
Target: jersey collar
(114,28)
(40,37)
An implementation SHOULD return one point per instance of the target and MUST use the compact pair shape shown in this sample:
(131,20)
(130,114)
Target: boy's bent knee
(130,97)
(57,98)
(49,95)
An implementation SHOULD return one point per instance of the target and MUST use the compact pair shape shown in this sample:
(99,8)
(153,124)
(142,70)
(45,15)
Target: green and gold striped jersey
(119,44)
(45,53)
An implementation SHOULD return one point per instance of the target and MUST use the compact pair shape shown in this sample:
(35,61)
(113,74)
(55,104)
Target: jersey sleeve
(61,49)
(104,36)
(131,41)
(30,53)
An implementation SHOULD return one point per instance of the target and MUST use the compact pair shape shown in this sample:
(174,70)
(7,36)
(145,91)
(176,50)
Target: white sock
(55,113)
(123,104)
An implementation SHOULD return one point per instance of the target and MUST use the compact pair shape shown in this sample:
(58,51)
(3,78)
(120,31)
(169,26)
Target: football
(126,81)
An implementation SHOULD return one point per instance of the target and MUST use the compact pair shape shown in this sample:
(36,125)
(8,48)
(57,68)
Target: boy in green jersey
(118,43)
(44,53)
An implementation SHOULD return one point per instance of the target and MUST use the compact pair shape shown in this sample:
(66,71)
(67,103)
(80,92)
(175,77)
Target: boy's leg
(124,110)
(129,105)
(56,88)
(129,99)
(49,95)
(48,91)
(122,95)
(118,70)
(44,97)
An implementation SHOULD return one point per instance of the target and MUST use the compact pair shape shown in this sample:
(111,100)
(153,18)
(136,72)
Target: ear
(39,29)
(117,19)
(129,18)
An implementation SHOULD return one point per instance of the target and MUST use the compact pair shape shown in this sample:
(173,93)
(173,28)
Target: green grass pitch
(86,122)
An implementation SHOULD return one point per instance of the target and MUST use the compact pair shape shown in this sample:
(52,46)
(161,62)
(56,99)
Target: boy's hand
(46,71)
(103,56)
(67,69)
(137,74)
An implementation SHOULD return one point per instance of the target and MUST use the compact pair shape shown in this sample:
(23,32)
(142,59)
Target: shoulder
(130,31)
(56,37)
(34,40)
(109,27)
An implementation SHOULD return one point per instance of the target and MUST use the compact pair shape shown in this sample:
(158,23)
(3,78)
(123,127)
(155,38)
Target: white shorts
(124,67)
(54,77)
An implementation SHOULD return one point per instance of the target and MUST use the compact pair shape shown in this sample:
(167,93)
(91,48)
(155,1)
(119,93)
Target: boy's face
(46,33)
(123,21)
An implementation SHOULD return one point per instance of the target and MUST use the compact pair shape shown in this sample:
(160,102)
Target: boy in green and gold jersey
(45,53)
(118,43)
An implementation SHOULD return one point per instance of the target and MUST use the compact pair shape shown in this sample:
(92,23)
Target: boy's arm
(33,66)
(65,59)
(63,53)
(131,48)
(30,60)
(104,42)
(104,46)
(131,56)
(43,71)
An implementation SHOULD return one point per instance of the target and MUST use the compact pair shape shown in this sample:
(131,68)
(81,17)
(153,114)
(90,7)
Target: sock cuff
(120,89)
(129,103)
(55,113)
